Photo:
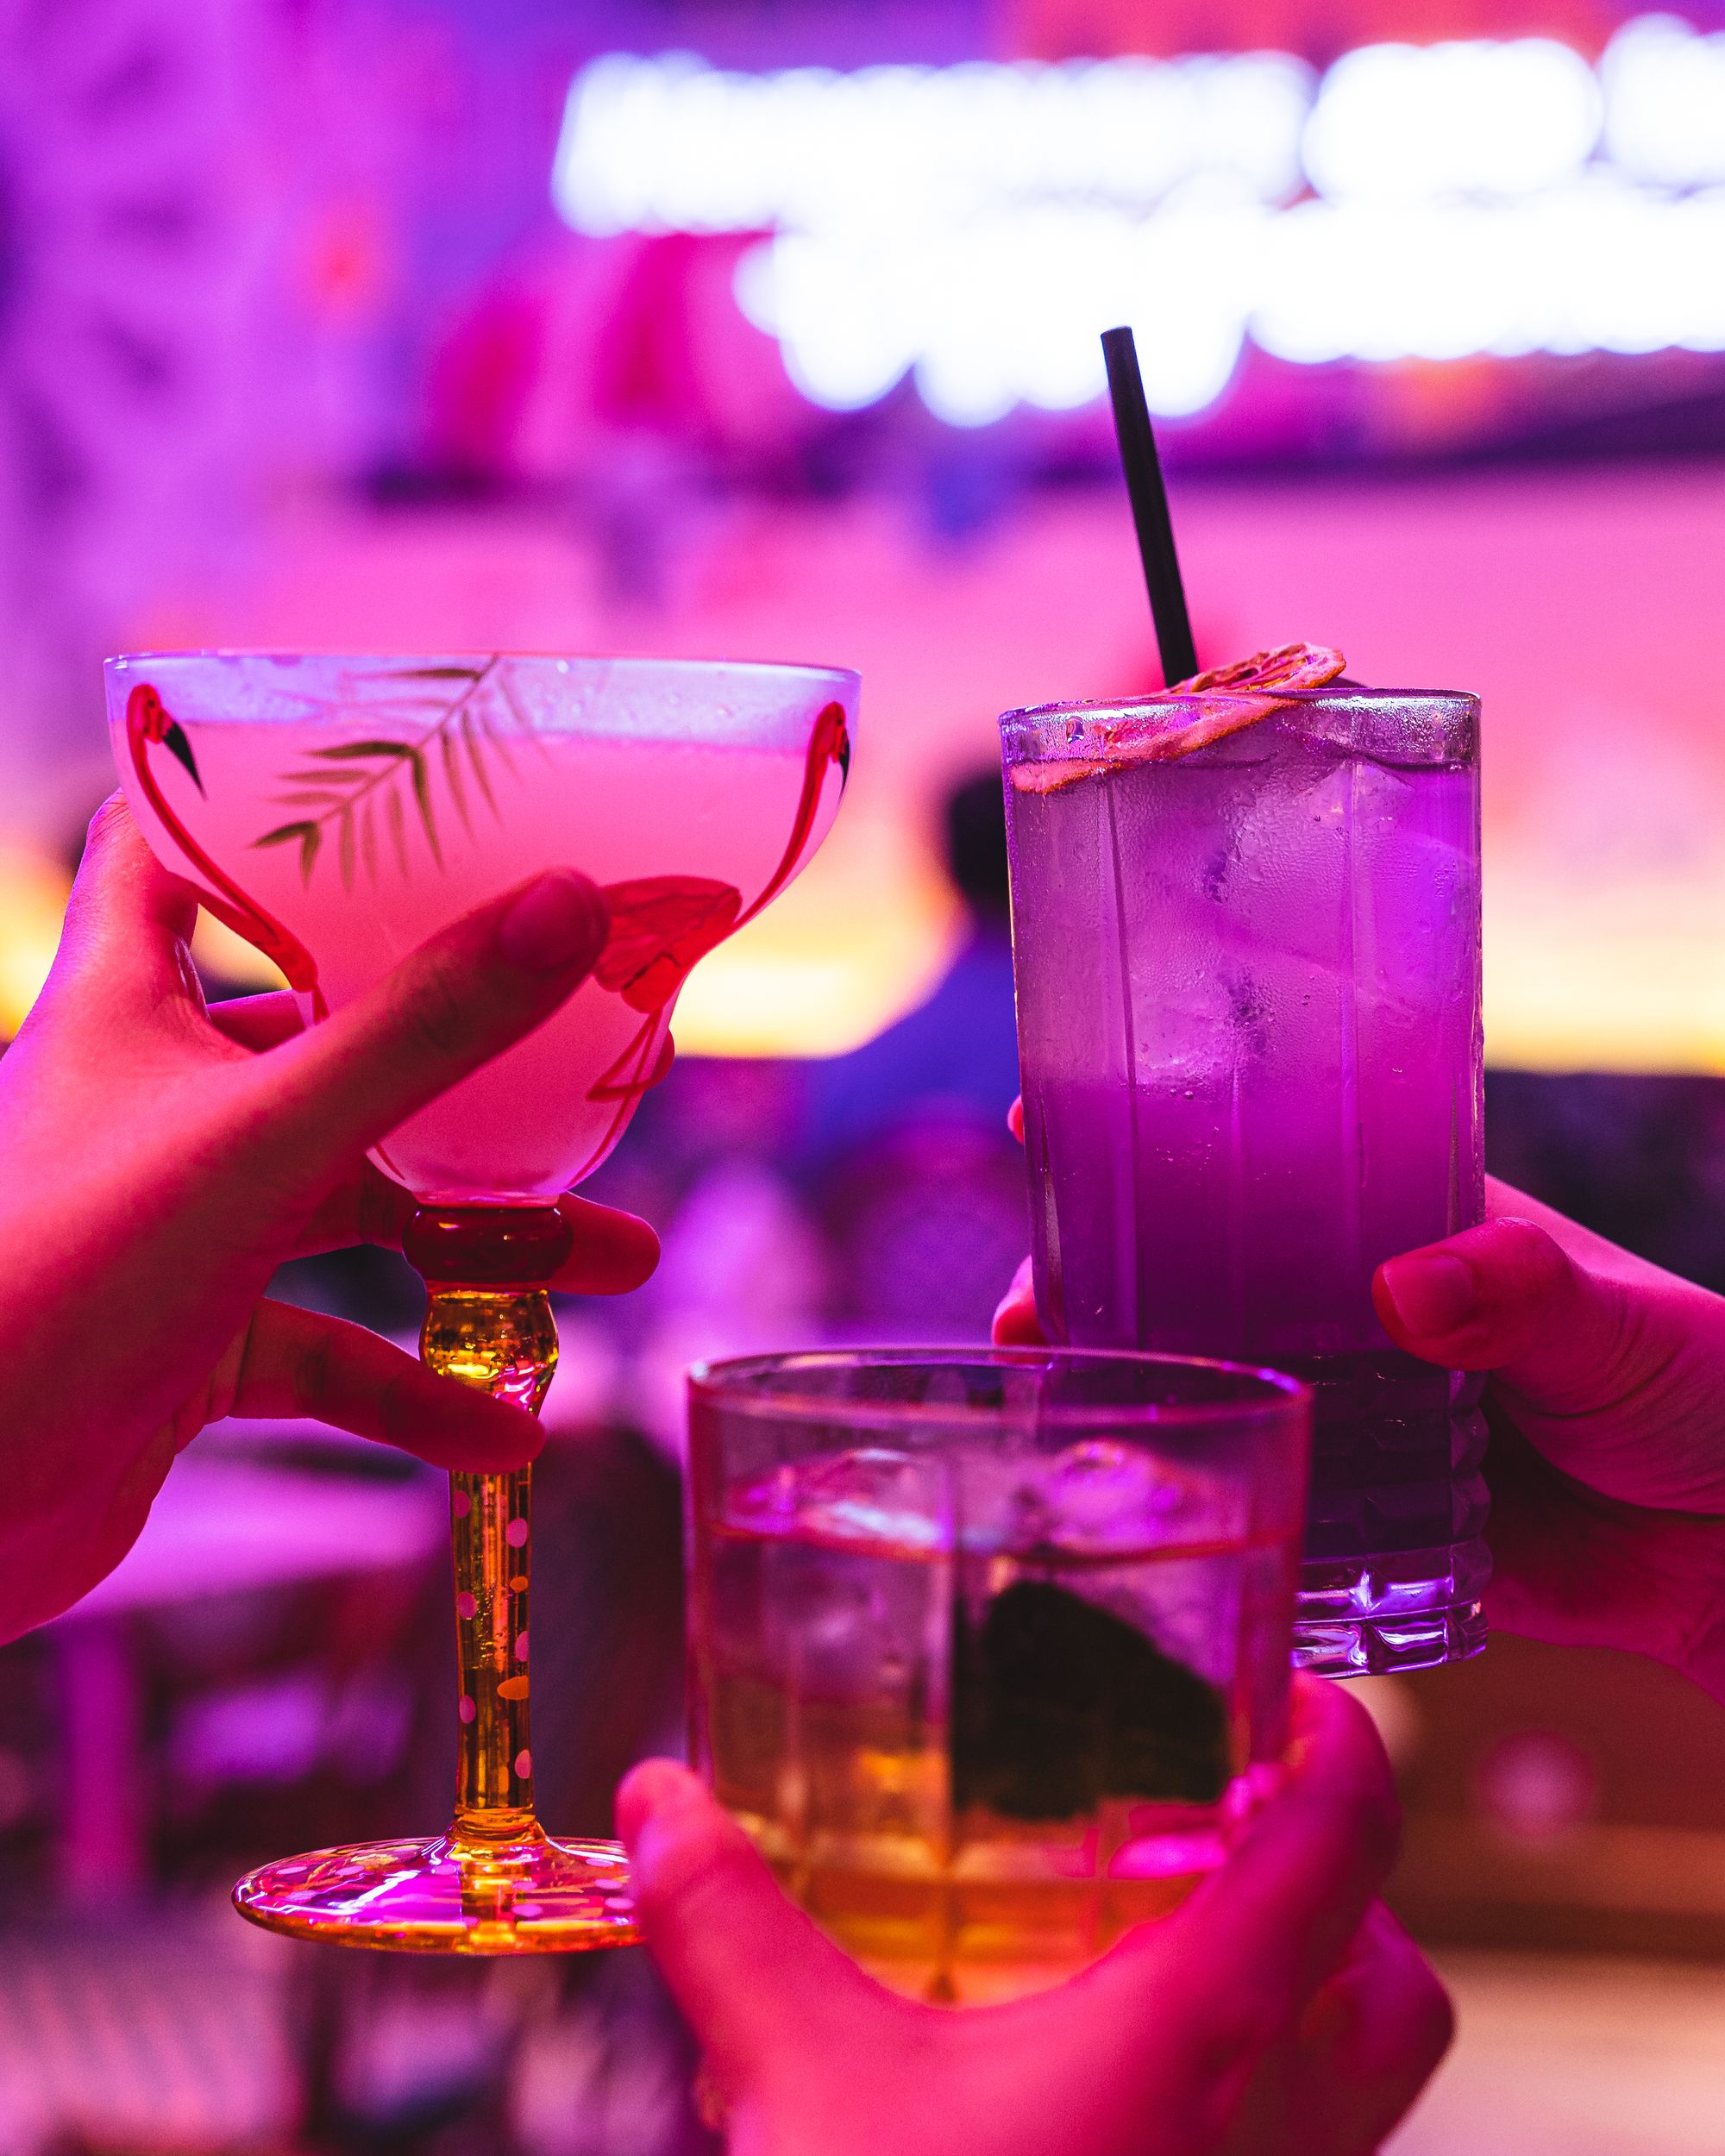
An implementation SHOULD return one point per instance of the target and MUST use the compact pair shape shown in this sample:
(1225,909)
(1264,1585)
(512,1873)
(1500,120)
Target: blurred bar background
(768,328)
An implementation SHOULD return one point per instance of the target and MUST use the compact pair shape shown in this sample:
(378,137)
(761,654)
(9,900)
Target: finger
(1370,2039)
(615,1252)
(1508,1297)
(1580,1570)
(1292,1894)
(259,1021)
(1387,2021)
(1015,1118)
(461,997)
(751,1972)
(127,923)
(301,1362)
(1592,1362)
(1504,1296)
(1016,1322)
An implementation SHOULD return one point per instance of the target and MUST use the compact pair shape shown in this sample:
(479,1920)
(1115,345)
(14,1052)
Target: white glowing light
(973,228)
(1411,123)
(1664,102)
(670,145)
(1598,267)
(1007,311)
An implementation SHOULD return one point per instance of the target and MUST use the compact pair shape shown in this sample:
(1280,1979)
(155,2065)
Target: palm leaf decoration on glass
(360,794)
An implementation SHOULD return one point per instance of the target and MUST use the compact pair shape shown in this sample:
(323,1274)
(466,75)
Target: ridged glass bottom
(434,1896)
(1397,1564)
(1364,1617)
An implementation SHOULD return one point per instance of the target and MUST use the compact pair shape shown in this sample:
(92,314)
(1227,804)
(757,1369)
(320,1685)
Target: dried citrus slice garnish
(1228,699)
(1289,666)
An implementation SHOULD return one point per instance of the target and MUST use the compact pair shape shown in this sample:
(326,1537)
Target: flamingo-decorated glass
(335,810)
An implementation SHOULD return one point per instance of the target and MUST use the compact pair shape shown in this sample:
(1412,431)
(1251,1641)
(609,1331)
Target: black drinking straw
(1149,507)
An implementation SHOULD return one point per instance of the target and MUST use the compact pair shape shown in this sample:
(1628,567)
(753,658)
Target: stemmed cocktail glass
(337,810)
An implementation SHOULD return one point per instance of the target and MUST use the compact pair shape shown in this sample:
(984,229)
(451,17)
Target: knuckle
(1533,1266)
(435,1008)
(313,1374)
(107,823)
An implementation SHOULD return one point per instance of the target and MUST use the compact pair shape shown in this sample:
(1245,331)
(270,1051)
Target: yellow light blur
(229,957)
(33,895)
(34,889)
(858,940)
(1625,975)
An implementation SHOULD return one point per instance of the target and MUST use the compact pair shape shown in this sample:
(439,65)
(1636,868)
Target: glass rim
(1267,1395)
(1032,717)
(800,669)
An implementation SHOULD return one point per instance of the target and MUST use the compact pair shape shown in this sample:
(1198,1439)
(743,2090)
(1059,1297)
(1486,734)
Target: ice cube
(837,1621)
(1001,1494)
(1101,1496)
(870,1494)
(1419,899)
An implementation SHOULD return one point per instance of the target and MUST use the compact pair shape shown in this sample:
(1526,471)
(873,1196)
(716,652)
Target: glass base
(1364,1649)
(440,1897)
(1409,1610)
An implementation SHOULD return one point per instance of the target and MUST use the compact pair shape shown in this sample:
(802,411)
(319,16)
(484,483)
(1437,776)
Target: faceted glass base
(1364,1649)
(1368,1616)
(440,1895)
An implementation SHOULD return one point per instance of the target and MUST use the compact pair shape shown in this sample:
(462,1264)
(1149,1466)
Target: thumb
(1225,1980)
(1368,2042)
(755,1979)
(1016,1323)
(1292,1892)
(464,995)
(1508,1297)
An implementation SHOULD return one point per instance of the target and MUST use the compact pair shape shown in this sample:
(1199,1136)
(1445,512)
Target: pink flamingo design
(147,721)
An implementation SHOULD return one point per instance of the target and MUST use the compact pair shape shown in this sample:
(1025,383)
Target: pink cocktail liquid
(687,807)
(1248,982)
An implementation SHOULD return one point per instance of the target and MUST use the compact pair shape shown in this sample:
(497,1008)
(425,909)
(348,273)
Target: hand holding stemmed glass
(160,1159)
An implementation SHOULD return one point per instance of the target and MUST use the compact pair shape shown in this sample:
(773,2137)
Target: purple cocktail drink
(1247,952)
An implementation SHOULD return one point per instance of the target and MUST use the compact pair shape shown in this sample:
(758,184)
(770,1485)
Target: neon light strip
(975,226)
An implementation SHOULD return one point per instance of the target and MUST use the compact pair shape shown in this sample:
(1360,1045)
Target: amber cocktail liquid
(980,1643)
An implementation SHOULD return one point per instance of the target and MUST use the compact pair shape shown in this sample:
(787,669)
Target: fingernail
(664,1827)
(652,1790)
(1433,1295)
(559,921)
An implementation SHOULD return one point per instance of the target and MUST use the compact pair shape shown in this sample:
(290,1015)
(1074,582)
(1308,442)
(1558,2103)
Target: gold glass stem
(503,1340)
